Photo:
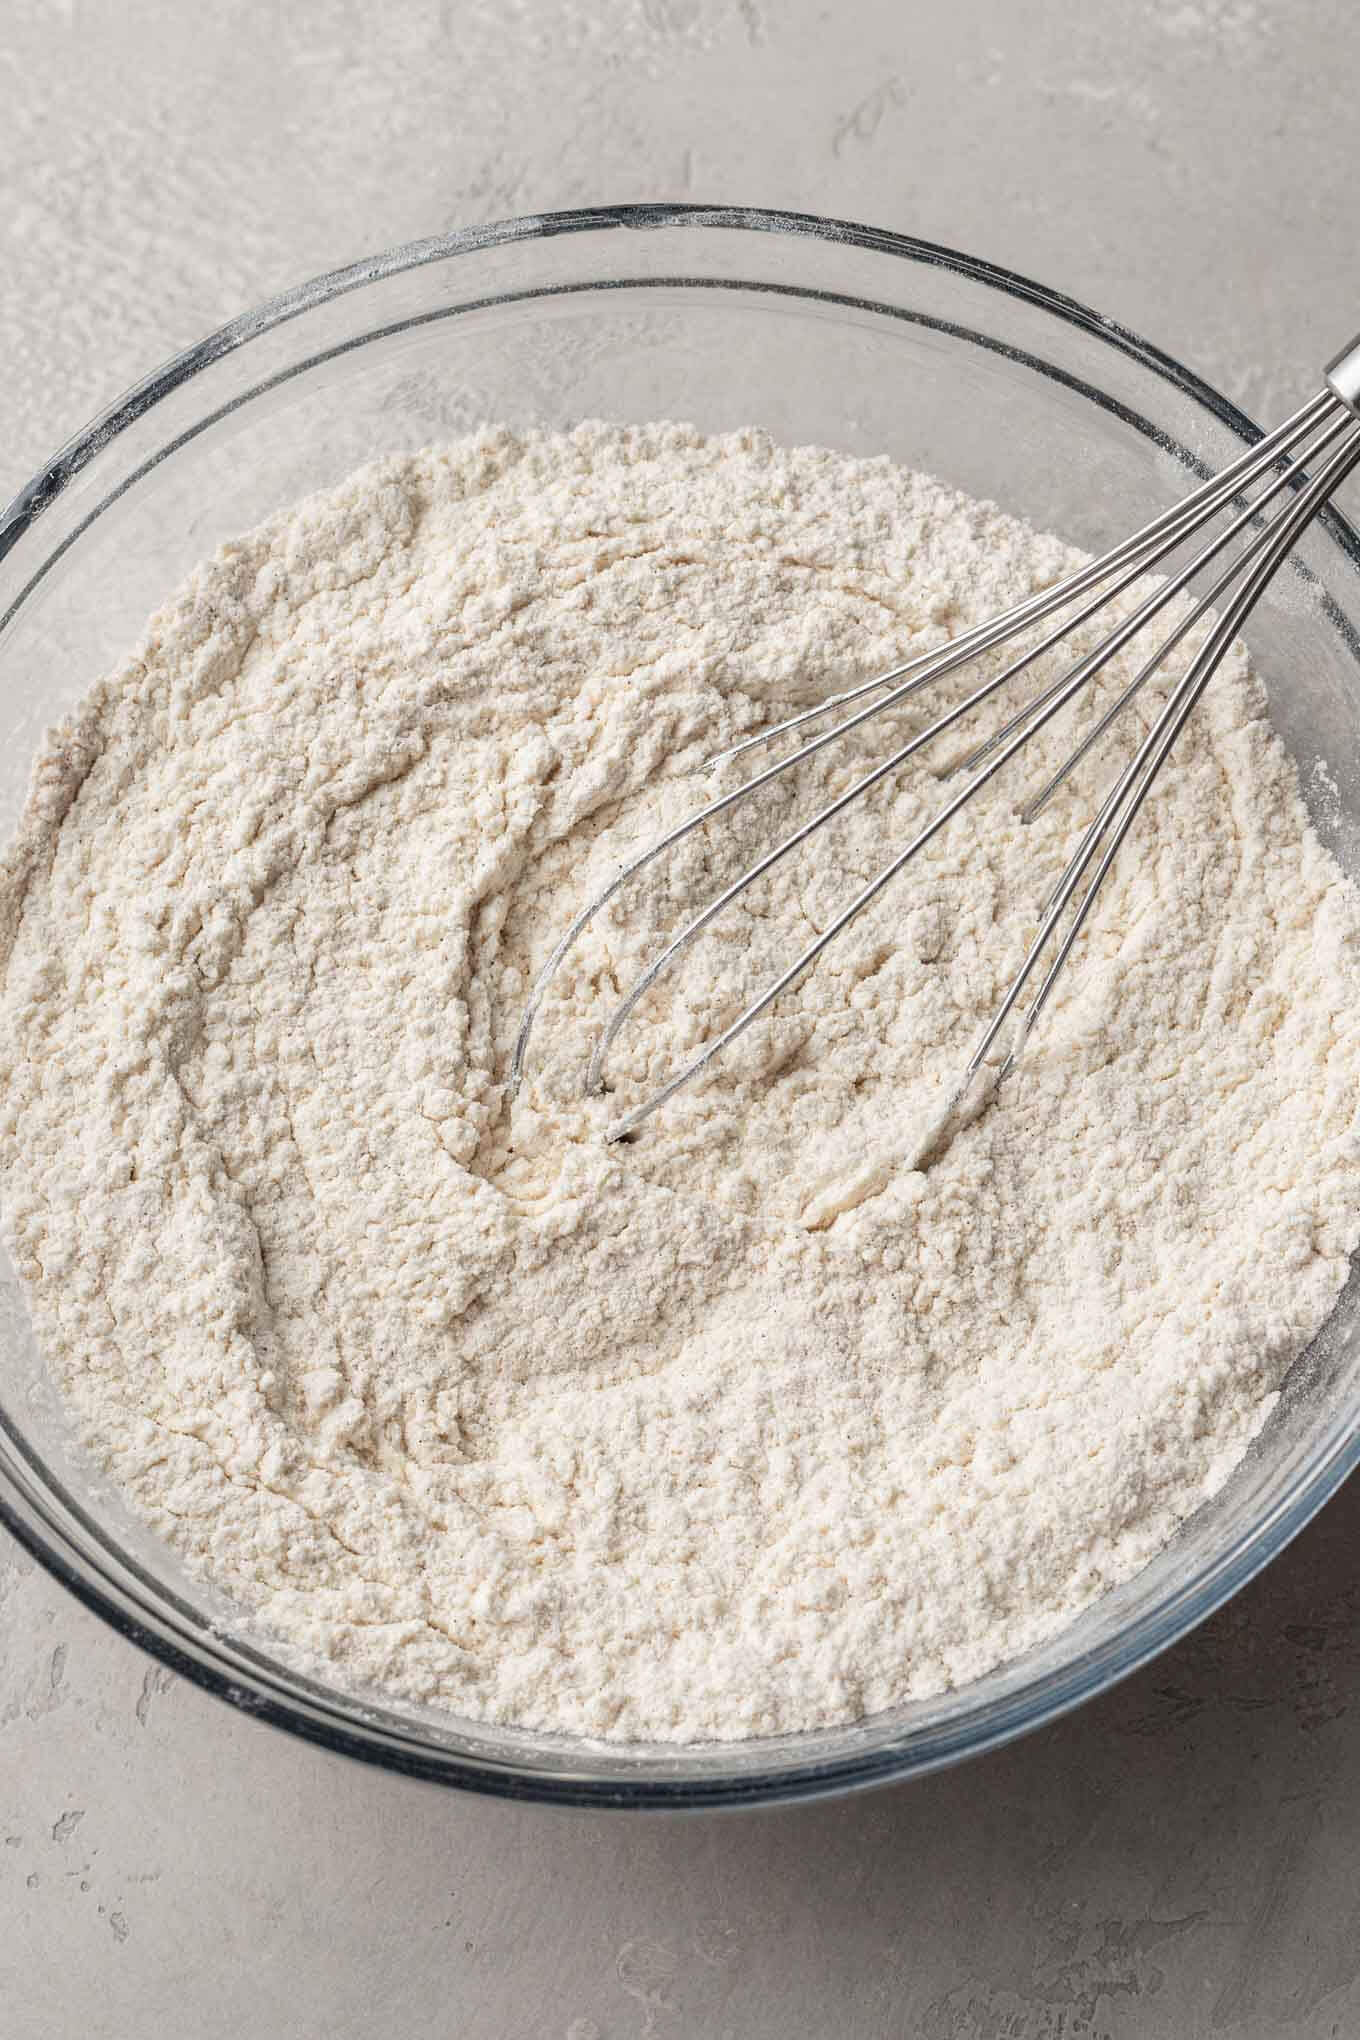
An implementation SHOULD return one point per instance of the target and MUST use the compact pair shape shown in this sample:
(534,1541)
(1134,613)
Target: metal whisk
(1326,428)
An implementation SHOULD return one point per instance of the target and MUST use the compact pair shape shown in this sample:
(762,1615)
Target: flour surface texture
(752,1424)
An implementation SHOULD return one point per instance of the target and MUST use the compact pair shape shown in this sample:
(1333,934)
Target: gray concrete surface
(1181,1859)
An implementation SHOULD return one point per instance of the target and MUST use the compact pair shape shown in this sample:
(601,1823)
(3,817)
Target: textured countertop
(1182,1858)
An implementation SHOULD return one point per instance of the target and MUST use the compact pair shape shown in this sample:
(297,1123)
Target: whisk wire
(1052,698)
(928,668)
(1122,804)
(1167,592)
(1160,535)
(1187,624)
(1277,462)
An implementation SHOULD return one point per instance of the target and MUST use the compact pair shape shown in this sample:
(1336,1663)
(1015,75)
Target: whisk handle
(1343,375)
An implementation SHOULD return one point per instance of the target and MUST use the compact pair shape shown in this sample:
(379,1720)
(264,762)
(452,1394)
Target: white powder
(749,1425)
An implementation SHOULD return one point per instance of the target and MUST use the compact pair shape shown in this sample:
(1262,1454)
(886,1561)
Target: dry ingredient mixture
(750,1425)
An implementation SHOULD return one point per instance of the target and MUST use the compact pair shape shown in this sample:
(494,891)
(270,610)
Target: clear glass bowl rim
(320,1715)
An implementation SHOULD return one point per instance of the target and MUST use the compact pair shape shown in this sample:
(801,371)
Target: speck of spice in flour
(756,1423)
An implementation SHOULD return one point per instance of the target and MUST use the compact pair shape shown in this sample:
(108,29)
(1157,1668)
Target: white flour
(747,1426)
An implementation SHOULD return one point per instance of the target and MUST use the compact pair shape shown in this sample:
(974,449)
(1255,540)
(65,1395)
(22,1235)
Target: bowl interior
(856,341)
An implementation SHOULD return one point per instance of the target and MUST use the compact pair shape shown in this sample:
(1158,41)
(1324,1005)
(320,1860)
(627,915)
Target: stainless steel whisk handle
(1343,375)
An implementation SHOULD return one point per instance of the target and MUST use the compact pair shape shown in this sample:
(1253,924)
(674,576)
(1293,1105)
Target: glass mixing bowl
(817,331)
